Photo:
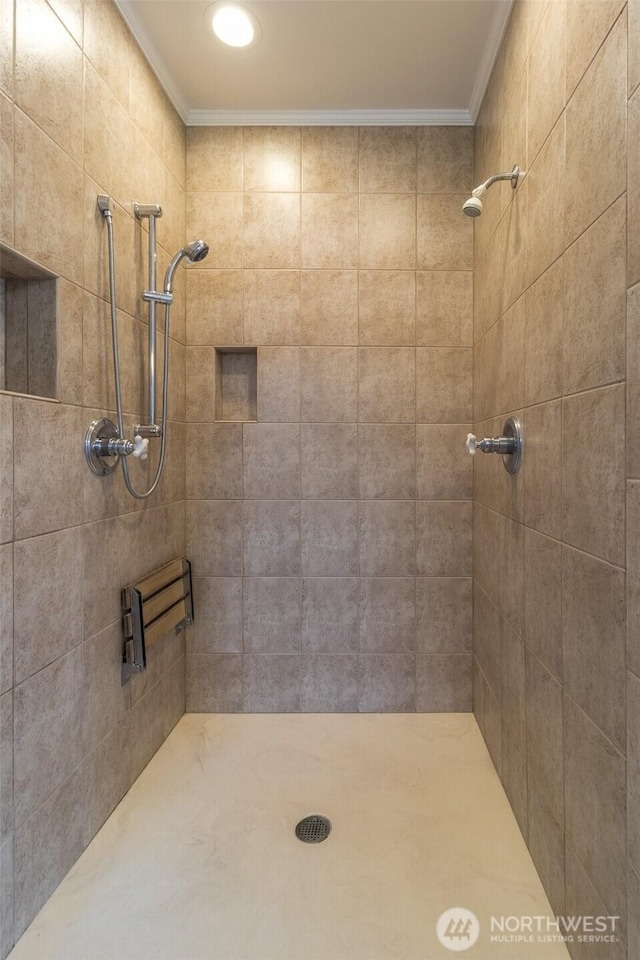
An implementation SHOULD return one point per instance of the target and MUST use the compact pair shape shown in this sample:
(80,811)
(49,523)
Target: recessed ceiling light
(233,24)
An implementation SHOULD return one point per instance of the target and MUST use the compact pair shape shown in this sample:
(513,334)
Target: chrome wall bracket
(509,446)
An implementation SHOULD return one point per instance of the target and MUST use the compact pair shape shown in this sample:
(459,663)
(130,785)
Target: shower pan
(105,443)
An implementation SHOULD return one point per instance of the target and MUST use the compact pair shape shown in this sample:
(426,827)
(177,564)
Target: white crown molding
(494,39)
(153,55)
(329,118)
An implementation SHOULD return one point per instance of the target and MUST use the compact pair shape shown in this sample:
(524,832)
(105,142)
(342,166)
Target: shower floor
(200,861)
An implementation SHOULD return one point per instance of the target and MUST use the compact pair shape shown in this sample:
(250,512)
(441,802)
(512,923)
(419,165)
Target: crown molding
(496,33)
(154,57)
(329,118)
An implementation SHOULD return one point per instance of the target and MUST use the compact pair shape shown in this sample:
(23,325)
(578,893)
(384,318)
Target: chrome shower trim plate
(512,461)
(102,429)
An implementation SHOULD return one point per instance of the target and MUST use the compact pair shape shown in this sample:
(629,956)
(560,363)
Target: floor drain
(313,829)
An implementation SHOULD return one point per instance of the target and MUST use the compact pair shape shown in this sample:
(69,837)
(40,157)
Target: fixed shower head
(473,206)
(193,252)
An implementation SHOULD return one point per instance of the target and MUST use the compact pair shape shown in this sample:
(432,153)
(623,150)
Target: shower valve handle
(140,447)
(502,445)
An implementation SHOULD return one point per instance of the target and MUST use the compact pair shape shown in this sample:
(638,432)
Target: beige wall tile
(329,307)
(271,159)
(106,779)
(545,734)
(387,461)
(329,230)
(588,23)
(329,538)
(329,461)
(445,235)
(387,307)
(387,615)
(271,684)
(214,461)
(6,617)
(581,897)
(214,307)
(633,577)
(47,232)
(279,384)
(546,93)
(546,190)
(33,511)
(272,230)
(329,684)
(214,536)
(443,683)
(69,347)
(386,384)
(128,248)
(594,639)
(174,143)
(387,159)
(387,538)
(200,384)
(330,159)
(6,469)
(543,594)
(107,44)
(487,640)
(444,308)
(445,159)
(214,683)
(444,468)
(444,383)
(6,46)
(217,627)
(596,126)
(514,137)
(146,174)
(6,766)
(148,104)
(46,847)
(633,916)
(546,845)
(214,159)
(593,474)
(386,683)
(271,461)
(6,164)
(595,308)
(329,379)
(387,234)
(329,615)
(443,538)
(48,596)
(543,476)
(48,75)
(512,572)
(105,701)
(633,190)
(47,732)
(271,538)
(595,806)
(217,218)
(444,615)
(544,321)
(271,306)
(271,608)
(105,144)
(633,769)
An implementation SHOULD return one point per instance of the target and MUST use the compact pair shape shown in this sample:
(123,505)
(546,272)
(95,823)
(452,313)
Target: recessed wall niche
(236,383)
(28,335)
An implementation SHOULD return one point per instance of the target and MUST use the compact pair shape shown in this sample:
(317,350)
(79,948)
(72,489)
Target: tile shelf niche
(28,329)
(236,383)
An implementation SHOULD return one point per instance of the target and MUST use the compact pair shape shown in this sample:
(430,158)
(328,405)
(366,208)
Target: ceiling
(325,61)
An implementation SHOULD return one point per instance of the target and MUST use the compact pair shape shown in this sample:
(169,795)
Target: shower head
(473,206)
(193,252)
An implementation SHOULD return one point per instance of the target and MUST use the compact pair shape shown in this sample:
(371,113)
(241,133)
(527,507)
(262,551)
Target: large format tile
(595,806)
(444,615)
(329,684)
(443,538)
(214,537)
(329,538)
(271,538)
(217,627)
(386,384)
(271,461)
(105,700)
(387,234)
(271,615)
(329,231)
(633,769)
(6,767)
(279,384)
(271,684)
(387,307)
(545,734)
(387,461)
(387,683)
(6,617)
(329,384)
(6,469)
(387,538)
(48,599)
(329,615)
(543,599)
(329,307)
(330,159)
(443,683)
(444,308)
(387,615)
(329,461)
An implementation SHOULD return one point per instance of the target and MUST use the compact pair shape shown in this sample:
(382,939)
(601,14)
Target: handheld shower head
(194,252)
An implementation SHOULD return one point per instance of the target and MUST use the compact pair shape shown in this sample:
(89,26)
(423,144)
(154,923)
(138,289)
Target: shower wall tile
(6,618)
(633,188)
(543,599)
(329,615)
(633,769)
(545,734)
(633,577)
(330,159)
(329,461)
(546,87)
(47,732)
(214,461)
(443,537)
(546,844)
(106,779)
(329,307)
(6,896)
(105,701)
(329,684)
(444,384)
(219,218)
(444,237)
(6,161)
(6,767)
(544,312)
(581,894)
(46,847)
(543,478)
(330,296)
(443,683)
(108,45)
(45,631)
(217,551)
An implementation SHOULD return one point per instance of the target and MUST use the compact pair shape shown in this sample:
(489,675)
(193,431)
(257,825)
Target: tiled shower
(329,358)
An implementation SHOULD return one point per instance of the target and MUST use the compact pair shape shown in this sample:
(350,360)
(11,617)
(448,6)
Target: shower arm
(512,175)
